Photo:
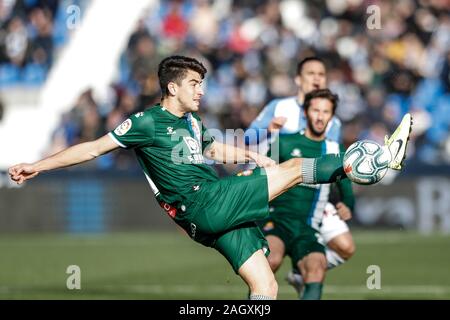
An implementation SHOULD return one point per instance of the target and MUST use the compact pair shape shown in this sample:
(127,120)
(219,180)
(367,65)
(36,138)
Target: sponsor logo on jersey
(195,156)
(296,153)
(196,187)
(196,159)
(193,145)
(123,128)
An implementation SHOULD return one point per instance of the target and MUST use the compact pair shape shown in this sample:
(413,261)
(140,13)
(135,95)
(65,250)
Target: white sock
(309,170)
(259,297)
(333,258)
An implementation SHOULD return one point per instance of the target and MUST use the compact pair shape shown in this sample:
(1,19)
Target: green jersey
(306,202)
(169,150)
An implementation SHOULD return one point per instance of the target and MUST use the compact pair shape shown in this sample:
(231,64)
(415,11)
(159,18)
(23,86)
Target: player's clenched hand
(343,211)
(21,172)
(276,124)
(262,161)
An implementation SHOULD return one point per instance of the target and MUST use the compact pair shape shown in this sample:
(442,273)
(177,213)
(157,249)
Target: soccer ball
(366,162)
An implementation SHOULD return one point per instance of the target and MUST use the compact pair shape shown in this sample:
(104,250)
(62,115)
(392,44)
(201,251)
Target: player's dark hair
(305,61)
(321,93)
(175,68)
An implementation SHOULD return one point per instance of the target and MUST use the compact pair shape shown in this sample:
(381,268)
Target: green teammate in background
(170,143)
(293,228)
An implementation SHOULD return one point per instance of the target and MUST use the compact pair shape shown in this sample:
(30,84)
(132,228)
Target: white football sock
(260,297)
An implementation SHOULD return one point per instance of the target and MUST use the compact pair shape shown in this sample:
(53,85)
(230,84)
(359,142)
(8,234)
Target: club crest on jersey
(296,153)
(268,226)
(170,131)
(123,128)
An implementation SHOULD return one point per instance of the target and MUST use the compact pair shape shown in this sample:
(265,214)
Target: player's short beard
(313,131)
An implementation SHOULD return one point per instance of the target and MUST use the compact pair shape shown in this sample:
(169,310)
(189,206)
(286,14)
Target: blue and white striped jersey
(296,121)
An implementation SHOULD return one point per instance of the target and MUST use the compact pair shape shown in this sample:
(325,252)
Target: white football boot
(398,142)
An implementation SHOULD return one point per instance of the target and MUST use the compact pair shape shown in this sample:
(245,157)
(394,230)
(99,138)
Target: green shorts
(299,238)
(222,214)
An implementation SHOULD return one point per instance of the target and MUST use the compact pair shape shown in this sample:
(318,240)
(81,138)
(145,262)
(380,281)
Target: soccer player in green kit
(170,143)
(286,116)
(293,228)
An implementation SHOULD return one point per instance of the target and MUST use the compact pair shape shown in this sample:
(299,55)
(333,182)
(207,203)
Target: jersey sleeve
(253,134)
(136,131)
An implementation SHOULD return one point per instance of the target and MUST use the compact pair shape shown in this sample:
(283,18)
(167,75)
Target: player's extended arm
(73,155)
(229,154)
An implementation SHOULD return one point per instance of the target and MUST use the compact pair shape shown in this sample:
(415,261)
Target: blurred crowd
(31,33)
(383,62)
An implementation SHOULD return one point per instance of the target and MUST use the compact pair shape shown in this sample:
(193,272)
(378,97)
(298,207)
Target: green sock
(312,291)
(326,169)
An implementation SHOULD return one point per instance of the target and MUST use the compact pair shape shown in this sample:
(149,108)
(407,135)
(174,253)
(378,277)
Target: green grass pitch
(168,265)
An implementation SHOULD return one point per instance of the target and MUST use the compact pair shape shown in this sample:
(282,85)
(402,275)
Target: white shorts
(332,224)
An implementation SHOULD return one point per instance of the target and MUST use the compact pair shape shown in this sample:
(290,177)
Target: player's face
(318,115)
(312,77)
(190,91)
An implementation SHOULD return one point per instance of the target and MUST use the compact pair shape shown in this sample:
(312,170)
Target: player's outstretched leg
(326,169)
(398,142)
(329,168)
(259,277)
